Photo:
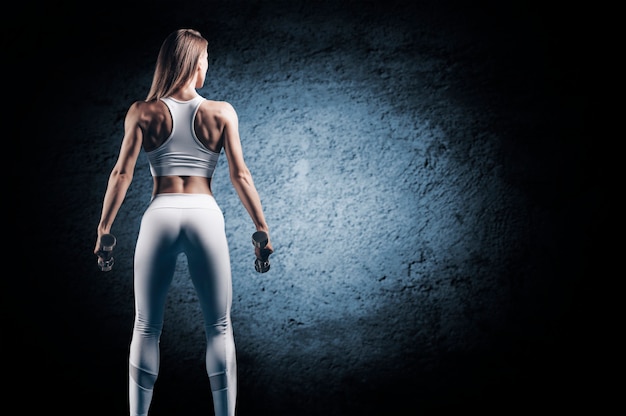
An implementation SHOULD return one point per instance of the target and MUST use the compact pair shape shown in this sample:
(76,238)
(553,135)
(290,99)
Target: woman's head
(178,60)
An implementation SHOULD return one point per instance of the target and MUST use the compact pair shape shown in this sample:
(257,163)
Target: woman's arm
(240,175)
(122,173)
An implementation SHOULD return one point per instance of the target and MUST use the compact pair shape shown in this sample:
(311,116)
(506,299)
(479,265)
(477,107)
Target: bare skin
(147,126)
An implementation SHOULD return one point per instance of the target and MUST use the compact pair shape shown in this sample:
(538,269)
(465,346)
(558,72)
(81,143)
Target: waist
(181,185)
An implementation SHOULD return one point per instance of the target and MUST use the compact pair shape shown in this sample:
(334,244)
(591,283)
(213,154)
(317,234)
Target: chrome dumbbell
(260,240)
(105,258)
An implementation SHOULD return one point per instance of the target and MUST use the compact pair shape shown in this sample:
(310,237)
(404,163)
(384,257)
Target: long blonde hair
(177,61)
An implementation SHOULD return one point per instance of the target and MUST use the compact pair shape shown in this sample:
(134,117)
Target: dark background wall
(420,164)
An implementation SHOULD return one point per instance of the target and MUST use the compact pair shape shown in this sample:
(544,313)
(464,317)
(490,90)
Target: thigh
(208,258)
(156,253)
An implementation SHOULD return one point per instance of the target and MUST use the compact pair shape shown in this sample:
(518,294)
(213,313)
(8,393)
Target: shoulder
(146,106)
(146,110)
(222,110)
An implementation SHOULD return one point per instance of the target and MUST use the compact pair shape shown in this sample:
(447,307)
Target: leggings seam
(141,369)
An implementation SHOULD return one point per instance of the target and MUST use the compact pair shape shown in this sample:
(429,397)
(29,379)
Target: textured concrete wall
(410,159)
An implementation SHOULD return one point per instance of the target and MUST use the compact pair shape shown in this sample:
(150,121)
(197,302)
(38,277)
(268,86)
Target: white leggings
(192,224)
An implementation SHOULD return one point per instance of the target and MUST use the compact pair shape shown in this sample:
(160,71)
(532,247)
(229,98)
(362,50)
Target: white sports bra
(182,154)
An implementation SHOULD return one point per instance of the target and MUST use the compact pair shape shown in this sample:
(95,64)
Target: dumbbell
(260,240)
(105,258)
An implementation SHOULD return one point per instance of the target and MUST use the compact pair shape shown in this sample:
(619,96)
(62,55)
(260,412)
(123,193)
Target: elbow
(241,177)
(119,177)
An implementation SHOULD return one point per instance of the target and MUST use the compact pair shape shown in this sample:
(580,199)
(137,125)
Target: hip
(183,201)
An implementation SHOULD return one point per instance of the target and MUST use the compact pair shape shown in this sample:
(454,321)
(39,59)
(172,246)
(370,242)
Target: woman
(182,134)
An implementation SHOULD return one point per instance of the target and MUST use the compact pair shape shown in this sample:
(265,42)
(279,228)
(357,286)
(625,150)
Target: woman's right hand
(262,244)
(263,253)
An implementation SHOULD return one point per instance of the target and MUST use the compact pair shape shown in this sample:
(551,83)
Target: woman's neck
(185,93)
